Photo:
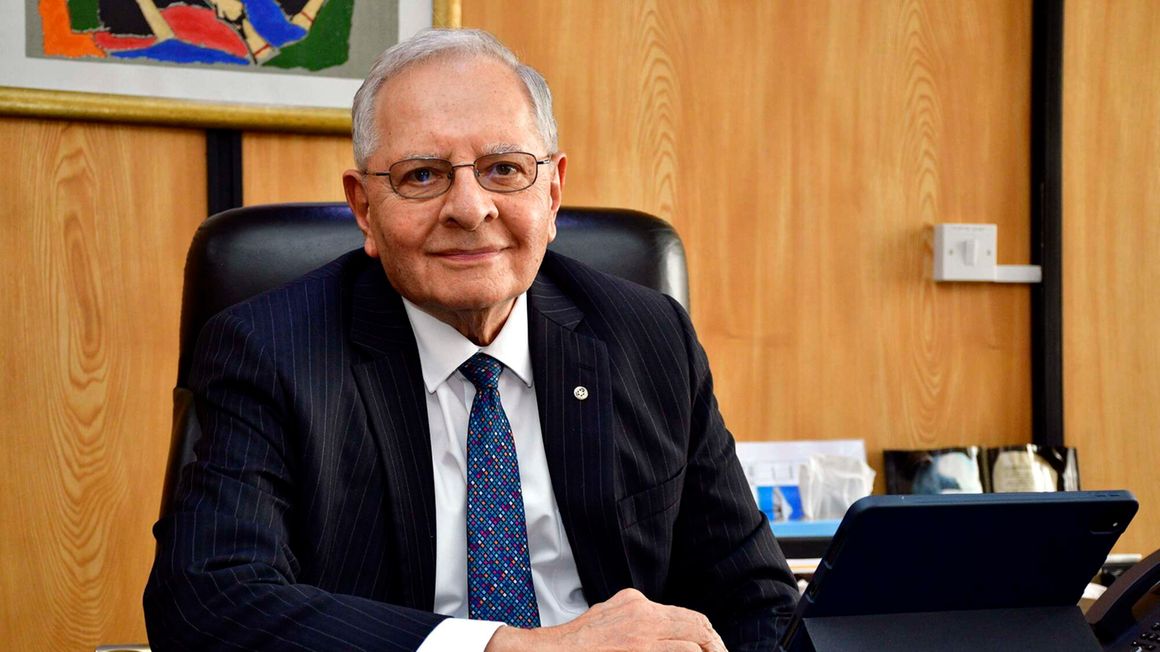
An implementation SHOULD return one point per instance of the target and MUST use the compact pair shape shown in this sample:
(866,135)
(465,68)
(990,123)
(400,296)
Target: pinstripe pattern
(307,522)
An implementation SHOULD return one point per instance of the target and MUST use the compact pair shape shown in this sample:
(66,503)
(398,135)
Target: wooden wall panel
(803,150)
(1111,215)
(96,222)
(292,167)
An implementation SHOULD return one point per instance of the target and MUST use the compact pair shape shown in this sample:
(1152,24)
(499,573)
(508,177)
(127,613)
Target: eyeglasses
(423,178)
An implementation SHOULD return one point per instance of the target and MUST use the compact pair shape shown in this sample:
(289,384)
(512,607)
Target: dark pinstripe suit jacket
(307,522)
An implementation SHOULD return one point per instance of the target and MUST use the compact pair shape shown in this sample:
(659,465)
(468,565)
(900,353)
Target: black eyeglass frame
(451,173)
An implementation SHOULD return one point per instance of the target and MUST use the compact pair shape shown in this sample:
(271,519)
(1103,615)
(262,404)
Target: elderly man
(452,438)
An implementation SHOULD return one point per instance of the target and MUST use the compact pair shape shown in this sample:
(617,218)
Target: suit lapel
(390,383)
(578,436)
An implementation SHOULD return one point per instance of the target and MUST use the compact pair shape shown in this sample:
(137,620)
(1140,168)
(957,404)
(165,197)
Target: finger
(717,644)
(688,625)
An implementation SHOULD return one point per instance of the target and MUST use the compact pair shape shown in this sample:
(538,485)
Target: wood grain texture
(97,219)
(285,167)
(1111,214)
(803,150)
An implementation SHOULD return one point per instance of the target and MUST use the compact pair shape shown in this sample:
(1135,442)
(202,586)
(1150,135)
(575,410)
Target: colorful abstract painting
(246,63)
(302,34)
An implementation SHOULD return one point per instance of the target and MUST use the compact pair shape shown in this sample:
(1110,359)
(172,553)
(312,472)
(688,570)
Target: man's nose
(466,202)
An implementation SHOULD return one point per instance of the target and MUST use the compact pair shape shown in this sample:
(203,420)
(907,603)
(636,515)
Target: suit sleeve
(225,576)
(727,564)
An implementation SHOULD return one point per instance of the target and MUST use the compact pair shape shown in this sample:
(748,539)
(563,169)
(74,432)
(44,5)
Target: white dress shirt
(442,350)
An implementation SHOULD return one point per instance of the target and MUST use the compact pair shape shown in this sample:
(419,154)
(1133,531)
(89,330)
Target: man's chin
(461,304)
(465,302)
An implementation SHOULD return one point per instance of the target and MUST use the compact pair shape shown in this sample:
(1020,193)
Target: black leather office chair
(242,252)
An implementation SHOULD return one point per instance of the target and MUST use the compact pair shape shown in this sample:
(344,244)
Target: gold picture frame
(102,107)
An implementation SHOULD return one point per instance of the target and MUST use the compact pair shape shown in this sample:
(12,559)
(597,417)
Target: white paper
(772,469)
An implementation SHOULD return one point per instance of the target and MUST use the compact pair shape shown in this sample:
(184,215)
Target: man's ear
(556,190)
(356,198)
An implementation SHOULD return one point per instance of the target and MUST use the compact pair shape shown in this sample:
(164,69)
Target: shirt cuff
(460,635)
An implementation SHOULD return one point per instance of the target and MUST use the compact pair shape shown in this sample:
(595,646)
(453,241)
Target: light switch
(965,252)
(968,252)
(971,252)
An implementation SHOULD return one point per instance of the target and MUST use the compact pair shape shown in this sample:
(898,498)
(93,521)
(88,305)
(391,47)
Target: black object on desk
(960,572)
(1127,617)
(804,547)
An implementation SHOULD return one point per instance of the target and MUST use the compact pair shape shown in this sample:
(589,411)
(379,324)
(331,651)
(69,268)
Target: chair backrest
(242,252)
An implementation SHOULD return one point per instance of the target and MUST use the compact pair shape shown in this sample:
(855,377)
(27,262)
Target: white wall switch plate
(965,252)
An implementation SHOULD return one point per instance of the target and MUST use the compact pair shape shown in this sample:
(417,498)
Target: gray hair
(427,45)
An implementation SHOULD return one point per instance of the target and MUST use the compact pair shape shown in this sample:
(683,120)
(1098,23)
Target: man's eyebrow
(503,148)
(496,148)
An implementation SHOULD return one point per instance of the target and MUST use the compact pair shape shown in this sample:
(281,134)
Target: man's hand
(627,621)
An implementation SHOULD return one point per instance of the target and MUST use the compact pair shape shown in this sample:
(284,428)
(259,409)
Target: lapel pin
(581,392)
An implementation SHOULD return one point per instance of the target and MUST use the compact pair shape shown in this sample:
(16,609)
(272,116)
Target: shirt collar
(442,349)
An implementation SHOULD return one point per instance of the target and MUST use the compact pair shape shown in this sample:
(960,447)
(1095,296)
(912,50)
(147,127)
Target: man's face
(465,255)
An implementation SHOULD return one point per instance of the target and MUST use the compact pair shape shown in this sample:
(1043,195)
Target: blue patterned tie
(499,571)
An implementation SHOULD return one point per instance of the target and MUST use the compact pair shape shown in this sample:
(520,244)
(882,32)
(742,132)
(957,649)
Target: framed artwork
(291,65)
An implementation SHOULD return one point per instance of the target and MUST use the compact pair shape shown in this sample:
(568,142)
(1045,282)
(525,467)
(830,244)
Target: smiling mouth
(469,255)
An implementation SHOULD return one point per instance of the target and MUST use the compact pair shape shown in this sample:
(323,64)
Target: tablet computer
(952,552)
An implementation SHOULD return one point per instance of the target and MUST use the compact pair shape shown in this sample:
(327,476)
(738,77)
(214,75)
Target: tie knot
(483,371)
